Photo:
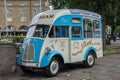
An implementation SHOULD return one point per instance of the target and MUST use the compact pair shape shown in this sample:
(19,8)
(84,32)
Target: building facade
(15,15)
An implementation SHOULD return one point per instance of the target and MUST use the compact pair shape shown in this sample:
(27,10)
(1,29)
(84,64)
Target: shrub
(12,40)
(107,41)
(117,30)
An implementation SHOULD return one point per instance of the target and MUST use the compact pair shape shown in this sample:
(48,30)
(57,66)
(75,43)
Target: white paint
(30,64)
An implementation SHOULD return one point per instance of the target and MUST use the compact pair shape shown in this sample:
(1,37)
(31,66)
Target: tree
(109,9)
(58,4)
(112,13)
(117,30)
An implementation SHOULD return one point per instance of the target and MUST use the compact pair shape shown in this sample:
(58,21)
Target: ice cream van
(58,37)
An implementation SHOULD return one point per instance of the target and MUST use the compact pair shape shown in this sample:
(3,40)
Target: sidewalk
(114,44)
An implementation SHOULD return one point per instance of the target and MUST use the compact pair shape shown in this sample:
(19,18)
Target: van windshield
(38,31)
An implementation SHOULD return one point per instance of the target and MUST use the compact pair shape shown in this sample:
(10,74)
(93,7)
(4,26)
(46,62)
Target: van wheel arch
(61,60)
(94,53)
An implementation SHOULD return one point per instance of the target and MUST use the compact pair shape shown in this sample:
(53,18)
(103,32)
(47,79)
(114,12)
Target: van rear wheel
(90,61)
(53,68)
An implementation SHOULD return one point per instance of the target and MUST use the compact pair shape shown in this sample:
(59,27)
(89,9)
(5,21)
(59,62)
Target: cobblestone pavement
(114,44)
(105,68)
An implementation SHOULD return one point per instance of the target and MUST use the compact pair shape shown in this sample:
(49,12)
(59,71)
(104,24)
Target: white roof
(49,16)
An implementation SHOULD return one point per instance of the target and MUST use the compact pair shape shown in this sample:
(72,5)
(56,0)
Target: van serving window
(88,28)
(96,30)
(59,32)
(76,31)
(76,20)
(91,28)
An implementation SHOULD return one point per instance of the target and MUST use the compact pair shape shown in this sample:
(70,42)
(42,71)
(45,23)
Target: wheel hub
(90,59)
(54,67)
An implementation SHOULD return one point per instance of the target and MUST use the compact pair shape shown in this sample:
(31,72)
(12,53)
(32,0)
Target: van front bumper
(30,64)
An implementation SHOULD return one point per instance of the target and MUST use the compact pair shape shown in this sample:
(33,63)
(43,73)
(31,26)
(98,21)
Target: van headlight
(47,50)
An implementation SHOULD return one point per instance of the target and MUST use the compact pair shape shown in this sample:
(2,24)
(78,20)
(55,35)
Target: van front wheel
(90,61)
(53,68)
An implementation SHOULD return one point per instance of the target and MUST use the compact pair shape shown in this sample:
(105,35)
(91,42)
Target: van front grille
(29,52)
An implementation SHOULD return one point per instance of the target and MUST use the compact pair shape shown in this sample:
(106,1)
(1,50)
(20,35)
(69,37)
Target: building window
(9,19)
(9,4)
(23,19)
(23,4)
(10,27)
(23,27)
(9,11)
(23,11)
(36,4)
(36,11)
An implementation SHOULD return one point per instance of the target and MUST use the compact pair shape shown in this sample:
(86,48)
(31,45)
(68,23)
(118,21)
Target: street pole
(30,10)
(40,6)
(6,16)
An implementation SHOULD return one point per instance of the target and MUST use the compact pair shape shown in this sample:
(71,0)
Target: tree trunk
(103,32)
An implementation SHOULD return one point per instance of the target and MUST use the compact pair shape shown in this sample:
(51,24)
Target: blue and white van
(58,37)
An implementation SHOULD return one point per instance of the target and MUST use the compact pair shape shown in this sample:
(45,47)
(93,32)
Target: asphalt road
(105,68)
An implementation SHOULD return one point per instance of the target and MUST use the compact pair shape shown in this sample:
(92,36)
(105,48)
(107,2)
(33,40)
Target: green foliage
(14,39)
(109,8)
(58,4)
(6,43)
(110,50)
(73,4)
(117,30)
(108,41)
(80,4)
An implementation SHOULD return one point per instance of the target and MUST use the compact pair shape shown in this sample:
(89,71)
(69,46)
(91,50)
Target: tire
(90,61)
(53,68)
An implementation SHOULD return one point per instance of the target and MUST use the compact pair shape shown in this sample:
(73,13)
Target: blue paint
(19,58)
(64,32)
(66,20)
(61,31)
(63,20)
(37,49)
(47,58)
(100,28)
(88,50)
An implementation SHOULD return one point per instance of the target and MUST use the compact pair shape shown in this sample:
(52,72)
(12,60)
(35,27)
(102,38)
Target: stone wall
(7,59)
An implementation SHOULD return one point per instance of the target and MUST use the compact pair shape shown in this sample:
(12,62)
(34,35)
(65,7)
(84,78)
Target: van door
(75,48)
(60,37)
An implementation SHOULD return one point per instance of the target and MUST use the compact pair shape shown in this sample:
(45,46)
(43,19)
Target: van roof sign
(84,12)
(46,16)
